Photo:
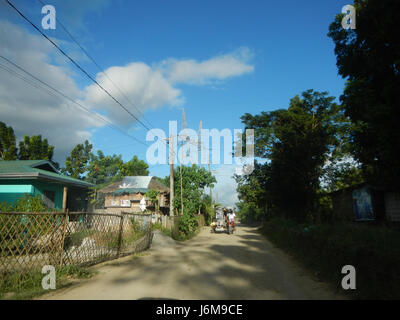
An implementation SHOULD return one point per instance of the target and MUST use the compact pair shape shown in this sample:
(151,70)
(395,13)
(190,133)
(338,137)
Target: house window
(48,198)
(125,203)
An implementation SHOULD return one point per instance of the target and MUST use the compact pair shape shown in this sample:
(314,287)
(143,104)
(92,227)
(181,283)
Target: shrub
(187,224)
(325,248)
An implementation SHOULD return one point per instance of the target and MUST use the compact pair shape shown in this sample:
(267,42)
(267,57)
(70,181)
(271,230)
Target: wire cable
(108,122)
(99,67)
(76,64)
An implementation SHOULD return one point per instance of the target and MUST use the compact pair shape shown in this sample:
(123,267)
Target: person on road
(231,218)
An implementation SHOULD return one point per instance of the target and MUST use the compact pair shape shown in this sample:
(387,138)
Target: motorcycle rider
(231,217)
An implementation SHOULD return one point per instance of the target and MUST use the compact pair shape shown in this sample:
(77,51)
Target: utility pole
(201,151)
(209,170)
(171,175)
(183,125)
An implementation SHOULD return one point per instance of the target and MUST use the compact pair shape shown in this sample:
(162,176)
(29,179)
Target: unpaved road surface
(211,266)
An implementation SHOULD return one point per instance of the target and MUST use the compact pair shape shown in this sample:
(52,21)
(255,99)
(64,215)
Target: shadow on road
(220,266)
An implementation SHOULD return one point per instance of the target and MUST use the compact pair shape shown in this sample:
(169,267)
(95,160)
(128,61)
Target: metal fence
(29,241)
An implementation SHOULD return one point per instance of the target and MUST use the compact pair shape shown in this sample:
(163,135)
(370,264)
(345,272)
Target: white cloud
(31,111)
(147,88)
(217,68)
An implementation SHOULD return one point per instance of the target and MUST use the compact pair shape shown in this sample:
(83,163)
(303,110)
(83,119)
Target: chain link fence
(29,241)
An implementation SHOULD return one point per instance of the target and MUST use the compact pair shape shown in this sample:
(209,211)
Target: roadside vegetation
(28,285)
(317,145)
(194,208)
(180,232)
(326,248)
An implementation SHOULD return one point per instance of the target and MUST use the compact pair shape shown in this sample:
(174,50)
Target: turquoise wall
(12,190)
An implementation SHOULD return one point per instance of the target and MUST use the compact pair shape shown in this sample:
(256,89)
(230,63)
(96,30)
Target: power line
(30,82)
(79,67)
(99,67)
(62,94)
(76,64)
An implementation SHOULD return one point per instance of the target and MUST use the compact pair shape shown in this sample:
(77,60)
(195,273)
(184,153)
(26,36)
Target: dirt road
(211,266)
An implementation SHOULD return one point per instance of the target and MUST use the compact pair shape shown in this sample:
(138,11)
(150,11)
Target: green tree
(194,180)
(252,193)
(297,143)
(76,163)
(341,175)
(152,195)
(368,57)
(35,148)
(135,167)
(8,148)
(104,169)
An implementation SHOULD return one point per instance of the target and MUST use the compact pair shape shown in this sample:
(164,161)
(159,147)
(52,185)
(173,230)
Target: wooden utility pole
(180,172)
(171,175)
(183,125)
(209,170)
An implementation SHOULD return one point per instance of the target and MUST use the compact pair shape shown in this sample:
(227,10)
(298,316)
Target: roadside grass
(28,285)
(175,233)
(373,250)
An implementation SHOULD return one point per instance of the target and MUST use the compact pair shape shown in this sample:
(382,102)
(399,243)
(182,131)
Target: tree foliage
(104,169)
(35,148)
(369,58)
(135,167)
(194,180)
(152,195)
(296,143)
(8,148)
(77,162)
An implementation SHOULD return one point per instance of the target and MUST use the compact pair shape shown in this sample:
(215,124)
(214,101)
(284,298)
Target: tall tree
(104,169)
(369,58)
(35,148)
(8,148)
(135,167)
(76,163)
(297,143)
(194,180)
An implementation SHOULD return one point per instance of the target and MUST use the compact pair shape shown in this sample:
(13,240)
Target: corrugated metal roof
(26,169)
(19,166)
(136,182)
(131,190)
(133,182)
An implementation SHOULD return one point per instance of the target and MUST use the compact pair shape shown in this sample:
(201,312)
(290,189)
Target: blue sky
(277,49)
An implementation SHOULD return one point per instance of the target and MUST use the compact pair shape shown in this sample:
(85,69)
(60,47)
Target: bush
(208,212)
(325,248)
(249,213)
(187,224)
(27,203)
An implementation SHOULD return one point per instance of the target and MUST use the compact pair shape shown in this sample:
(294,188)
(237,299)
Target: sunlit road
(212,266)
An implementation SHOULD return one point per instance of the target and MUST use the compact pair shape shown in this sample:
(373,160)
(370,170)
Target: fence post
(64,231)
(121,224)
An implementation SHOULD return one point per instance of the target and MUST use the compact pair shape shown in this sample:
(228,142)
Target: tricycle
(218,225)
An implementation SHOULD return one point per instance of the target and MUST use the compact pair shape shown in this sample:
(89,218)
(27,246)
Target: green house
(40,177)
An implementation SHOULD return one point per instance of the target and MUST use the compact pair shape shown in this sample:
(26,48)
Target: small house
(129,195)
(40,177)
(364,202)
